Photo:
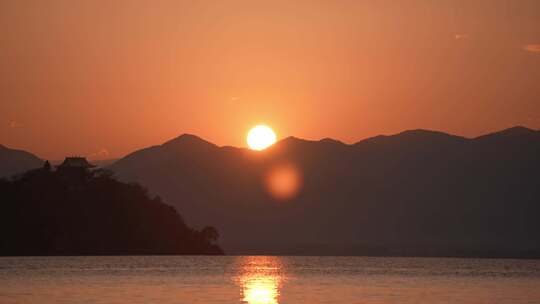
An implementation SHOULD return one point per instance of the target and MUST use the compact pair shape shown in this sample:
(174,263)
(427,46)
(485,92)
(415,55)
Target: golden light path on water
(260,280)
(264,280)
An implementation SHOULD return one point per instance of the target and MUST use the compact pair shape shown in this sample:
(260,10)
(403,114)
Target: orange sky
(102,78)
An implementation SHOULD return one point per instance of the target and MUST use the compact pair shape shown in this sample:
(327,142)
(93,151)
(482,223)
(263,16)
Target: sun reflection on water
(260,279)
(261,290)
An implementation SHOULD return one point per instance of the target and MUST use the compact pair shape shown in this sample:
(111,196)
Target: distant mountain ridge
(13,161)
(418,192)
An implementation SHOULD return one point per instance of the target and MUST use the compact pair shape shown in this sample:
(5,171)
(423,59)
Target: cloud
(100,154)
(461,36)
(12,124)
(534,48)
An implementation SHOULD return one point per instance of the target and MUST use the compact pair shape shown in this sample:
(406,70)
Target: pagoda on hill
(74,164)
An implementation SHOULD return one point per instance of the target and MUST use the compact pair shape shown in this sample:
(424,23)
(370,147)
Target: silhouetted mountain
(72,211)
(515,132)
(17,161)
(415,193)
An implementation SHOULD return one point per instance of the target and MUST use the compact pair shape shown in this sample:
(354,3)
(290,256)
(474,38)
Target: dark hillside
(89,213)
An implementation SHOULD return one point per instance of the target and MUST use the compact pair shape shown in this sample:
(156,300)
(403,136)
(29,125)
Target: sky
(103,78)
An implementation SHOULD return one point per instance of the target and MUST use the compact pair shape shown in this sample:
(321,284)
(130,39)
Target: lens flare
(283,181)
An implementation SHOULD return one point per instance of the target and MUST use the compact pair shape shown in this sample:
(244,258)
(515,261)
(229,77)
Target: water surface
(267,279)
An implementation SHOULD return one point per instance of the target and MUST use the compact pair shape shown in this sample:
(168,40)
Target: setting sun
(260,137)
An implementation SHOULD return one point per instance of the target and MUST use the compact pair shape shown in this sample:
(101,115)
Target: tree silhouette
(210,234)
(47,166)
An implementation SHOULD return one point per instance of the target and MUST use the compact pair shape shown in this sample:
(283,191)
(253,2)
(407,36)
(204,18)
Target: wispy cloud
(12,124)
(535,48)
(99,154)
(461,36)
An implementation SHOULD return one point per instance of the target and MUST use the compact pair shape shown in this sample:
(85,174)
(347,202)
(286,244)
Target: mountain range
(14,161)
(416,193)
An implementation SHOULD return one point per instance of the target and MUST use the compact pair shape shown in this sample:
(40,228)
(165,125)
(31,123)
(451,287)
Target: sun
(260,137)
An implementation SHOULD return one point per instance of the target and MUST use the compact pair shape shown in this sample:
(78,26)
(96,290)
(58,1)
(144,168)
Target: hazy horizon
(107,157)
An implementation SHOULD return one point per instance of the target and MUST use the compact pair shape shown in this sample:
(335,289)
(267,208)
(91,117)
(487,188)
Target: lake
(267,279)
